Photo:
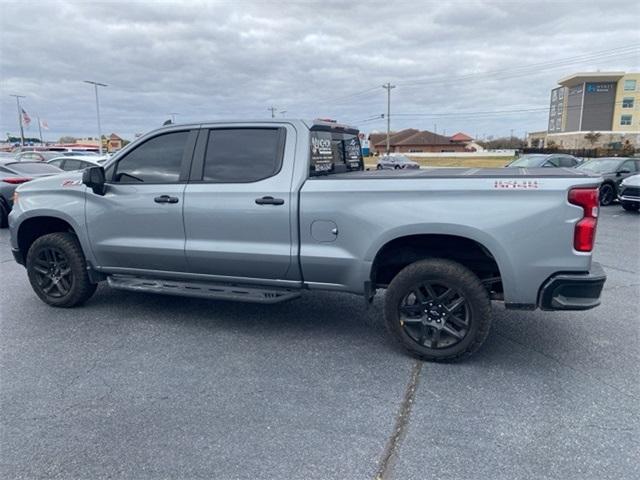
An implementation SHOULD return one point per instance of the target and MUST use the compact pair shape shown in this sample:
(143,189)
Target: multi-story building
(606,103)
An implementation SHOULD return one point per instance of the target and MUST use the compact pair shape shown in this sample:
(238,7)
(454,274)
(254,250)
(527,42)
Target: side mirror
(623,172)
(93,177)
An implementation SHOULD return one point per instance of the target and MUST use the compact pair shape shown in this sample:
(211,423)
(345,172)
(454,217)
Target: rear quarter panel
(528,231)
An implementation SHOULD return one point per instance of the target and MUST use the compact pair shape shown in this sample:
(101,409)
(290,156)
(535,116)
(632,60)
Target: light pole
(95,86)
(173,116)
(388,88)
(18,97)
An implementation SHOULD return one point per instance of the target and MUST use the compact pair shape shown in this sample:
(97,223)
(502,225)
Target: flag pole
(40,129)
(18,97)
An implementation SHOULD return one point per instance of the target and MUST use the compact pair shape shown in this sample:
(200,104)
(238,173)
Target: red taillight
(16,180)
(585,231)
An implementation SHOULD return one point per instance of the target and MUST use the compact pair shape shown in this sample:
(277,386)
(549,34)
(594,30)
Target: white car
(396,162)
(629,193)
(77,162)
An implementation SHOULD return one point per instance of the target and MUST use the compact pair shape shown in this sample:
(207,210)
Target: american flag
(44,124)
(26,119)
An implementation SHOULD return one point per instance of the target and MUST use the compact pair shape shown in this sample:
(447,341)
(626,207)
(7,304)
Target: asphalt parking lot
(139,386)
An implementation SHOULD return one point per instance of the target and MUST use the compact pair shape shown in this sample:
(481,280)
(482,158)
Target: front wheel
(607,194)
(630,206)
(438,310)
(379,167)
(57,270)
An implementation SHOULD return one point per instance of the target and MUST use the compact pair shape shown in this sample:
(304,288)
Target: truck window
(334,151)
(157,160)
(243,155)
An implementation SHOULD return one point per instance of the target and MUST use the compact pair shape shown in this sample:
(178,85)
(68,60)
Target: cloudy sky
(480,67)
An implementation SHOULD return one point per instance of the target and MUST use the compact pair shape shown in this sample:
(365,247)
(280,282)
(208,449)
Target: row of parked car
(22,166)
(616,171)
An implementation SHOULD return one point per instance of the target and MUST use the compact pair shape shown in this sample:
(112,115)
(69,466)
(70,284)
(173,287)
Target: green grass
(483,162)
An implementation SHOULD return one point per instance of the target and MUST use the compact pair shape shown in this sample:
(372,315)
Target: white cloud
(209,60)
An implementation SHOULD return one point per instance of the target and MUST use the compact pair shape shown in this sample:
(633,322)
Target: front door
(238,205)
(137,224)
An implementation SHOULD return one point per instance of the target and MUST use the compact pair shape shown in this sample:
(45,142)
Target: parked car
(37,156)
(76,162)
(396,162)
(243,211)
(613,170)
(629,193)
(15,173)
(535,160)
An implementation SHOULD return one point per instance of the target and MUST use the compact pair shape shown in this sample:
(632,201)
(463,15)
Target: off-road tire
(457,277)
(81,288)
(607,194)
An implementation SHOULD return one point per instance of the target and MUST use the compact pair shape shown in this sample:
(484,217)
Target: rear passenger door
(238,203)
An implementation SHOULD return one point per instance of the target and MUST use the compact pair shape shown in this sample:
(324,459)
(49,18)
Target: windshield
(528,161)
(601,165)
(334,151)
(31,168)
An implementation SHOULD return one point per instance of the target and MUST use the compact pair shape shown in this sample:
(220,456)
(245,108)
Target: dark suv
(613,170)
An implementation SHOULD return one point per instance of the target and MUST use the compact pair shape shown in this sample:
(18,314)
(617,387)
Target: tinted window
(57,163)
(155,161)
(567,162)
(72,164)
(242,155)
(334,152)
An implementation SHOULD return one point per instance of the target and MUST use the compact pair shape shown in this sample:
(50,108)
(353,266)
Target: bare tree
(592,137)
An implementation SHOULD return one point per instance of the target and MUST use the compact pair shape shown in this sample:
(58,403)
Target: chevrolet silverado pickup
(260,211)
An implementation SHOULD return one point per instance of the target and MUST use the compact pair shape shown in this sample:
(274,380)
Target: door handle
(165,199)
(269,201)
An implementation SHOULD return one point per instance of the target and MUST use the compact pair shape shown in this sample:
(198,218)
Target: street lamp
(95,86)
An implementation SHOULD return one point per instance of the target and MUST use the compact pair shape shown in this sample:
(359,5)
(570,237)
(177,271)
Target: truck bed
(461,172)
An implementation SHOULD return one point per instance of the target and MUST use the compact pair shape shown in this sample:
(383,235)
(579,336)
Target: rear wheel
(438,310)
(397,167)
(607,194)
(58,271)
(379,167)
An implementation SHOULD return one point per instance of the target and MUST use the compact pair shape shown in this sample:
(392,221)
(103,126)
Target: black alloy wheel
(607,194)
(53,273)
(435,315)
(438,310)
(58,271)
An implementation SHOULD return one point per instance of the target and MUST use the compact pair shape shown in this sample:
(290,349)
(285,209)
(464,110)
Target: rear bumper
(573,291)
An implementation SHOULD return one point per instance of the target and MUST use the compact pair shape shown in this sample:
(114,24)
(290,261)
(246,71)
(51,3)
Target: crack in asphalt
(402,421)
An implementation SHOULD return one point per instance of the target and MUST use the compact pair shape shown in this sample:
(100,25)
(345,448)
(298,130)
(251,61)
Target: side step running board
(203,290)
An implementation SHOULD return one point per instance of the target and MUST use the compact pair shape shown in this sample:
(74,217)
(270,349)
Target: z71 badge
(516,184)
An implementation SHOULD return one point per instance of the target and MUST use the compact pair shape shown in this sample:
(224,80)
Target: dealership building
(601,105)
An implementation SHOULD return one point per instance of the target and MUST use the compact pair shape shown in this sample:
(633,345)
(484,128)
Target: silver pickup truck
(259,211)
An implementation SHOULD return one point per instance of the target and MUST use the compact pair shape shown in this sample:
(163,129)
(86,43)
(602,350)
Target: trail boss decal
(71,183)
(516,184)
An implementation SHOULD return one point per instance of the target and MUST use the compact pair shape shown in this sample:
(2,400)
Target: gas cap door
(324,231)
